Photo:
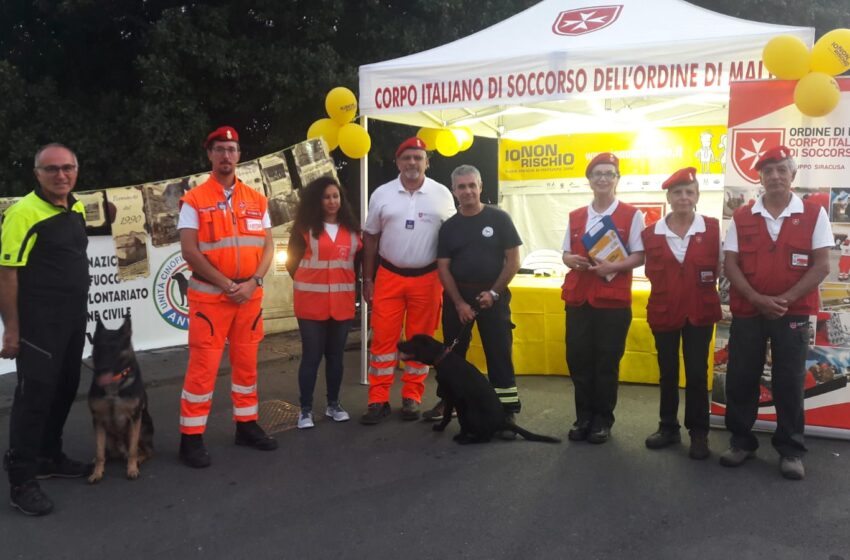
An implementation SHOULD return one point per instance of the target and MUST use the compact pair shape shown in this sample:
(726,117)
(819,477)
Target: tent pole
(364,306)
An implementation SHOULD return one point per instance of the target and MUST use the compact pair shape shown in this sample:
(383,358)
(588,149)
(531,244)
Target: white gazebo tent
(569,66)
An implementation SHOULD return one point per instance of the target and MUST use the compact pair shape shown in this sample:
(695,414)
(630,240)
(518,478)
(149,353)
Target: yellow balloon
(429,136)
(327,129)
(831,54)
(817,94)
(341,105)
(464,138)
(787,57)
(354,141)
(447,143)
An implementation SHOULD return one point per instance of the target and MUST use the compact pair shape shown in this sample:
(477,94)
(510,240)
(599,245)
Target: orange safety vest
(231,237)
(323,286)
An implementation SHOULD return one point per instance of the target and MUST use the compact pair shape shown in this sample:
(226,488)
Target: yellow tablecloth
(539,338)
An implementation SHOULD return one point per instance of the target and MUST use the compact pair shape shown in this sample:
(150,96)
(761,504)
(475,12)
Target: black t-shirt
(476,244)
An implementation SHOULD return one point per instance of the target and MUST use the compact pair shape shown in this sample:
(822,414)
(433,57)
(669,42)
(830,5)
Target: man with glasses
(776,256)
(225,237)
(598,296)
(44,283)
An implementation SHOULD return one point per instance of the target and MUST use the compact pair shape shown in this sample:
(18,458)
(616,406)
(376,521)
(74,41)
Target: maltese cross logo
(749,144)
(585,20)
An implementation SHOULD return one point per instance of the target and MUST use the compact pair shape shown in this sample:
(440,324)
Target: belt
(409,272)
(200,278)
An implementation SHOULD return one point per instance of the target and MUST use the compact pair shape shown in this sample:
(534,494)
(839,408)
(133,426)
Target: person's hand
(465,313)
(485,300)
(11,344)
(368,290)
(577,262)
(242,291)
(602,268)
(772,307)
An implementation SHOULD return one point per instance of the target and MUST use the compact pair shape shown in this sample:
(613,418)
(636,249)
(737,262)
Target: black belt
(409,272)
(200,278)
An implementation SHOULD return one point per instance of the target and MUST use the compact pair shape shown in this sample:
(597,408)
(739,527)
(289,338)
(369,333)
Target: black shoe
(29,498)
(375,413)
(63,467)
(192,451)
(409,410)
(599,435)
(251,434)
(435,414)
(664,437)
(699,446)
(579,431)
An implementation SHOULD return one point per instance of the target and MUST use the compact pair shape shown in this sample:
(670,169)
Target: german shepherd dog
(465,389)
(118,402)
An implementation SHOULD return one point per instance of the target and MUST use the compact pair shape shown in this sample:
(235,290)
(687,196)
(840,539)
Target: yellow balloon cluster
(817,93)
(447,141)
(337,129)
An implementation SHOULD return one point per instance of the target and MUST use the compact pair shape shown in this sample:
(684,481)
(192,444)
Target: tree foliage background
(134,85)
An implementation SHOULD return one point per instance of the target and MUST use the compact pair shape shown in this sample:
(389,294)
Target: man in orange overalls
(225,236)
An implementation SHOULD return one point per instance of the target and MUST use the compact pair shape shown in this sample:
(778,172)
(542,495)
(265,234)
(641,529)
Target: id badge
(253,224)
(800,260)
(707,276)
(408,224)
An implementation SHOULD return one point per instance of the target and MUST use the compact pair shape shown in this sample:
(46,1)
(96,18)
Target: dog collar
(443,355)
(121,375)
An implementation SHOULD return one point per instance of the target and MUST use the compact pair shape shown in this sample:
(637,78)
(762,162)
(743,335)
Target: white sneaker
(305,420)
(335,411)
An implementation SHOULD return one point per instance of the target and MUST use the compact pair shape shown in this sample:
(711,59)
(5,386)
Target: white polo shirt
(679,245)
(409,222)
(635,242)
(821,236)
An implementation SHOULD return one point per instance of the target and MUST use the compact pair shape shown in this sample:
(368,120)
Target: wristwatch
(495,295)
(259,281)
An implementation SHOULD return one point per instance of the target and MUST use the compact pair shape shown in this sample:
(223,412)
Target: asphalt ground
(400,490)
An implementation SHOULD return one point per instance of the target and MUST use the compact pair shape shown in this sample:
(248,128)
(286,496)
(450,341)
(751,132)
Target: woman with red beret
(682,261)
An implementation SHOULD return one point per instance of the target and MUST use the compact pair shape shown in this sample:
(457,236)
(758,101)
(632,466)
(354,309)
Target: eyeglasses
(221,150)
(610,175)
(67,169)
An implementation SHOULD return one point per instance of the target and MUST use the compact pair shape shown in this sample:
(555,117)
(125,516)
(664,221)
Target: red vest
(232,240)
(580,287)
(323,286)
(684,291)
(772,267)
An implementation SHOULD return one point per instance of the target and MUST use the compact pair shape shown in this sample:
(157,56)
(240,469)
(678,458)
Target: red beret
(773,155)
(224,133)
(684,176)
(414,143)
(604,157)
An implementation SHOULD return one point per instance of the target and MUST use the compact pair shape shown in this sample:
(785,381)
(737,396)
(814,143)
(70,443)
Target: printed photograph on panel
(249,173)
(128,232)
(162,208)
(735,197)
(840,206)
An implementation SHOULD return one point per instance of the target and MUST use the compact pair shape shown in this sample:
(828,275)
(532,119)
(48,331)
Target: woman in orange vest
(598,298)
(682,262)
(323,252)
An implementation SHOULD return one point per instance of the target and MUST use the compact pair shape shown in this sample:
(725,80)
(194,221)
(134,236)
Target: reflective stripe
(193,421)
(416,370)
(204,287)
(383,357)
(243,389)
(322,265)
(191,397)
(506,399)
(245,410)
(323,288)
(506,390)
(234,241)
(381,372)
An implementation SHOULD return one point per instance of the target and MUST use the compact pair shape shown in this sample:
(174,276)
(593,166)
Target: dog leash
(475,309)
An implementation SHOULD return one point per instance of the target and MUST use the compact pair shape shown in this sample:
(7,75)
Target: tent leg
(364,306)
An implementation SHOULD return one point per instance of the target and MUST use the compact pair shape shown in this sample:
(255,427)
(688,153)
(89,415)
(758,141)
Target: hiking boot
(664,437)
(375,413)
(305,419)
(599,435)
(29,498)
(250,434)
(699,446)
(735,457)
(409,410)
(792,468)
(335,411)
(63,467)
(192,451)
(579,431)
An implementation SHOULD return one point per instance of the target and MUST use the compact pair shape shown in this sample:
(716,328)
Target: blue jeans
(318,339)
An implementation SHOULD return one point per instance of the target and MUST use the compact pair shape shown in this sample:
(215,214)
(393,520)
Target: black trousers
(596,342)
(47,384)
(496,330)
(789,344)
(695,347)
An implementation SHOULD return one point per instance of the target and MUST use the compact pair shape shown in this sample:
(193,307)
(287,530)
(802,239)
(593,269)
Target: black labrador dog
(118,402)
(465,389)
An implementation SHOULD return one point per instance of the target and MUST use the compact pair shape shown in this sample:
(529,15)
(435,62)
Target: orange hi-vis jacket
(323,286)
(231,236)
